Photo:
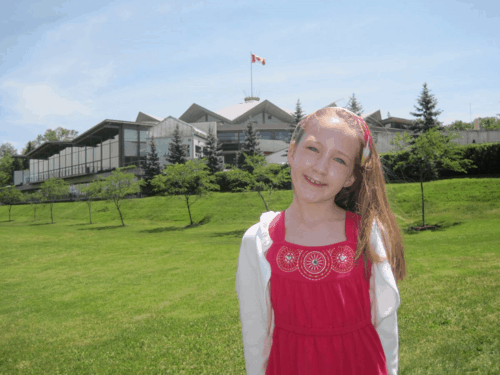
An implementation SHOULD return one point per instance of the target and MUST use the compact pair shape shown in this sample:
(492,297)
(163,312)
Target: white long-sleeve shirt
(252,280)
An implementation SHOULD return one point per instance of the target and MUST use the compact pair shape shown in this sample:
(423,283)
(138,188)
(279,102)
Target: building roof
(144,117)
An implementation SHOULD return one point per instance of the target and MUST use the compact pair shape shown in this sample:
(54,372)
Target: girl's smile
(314,182)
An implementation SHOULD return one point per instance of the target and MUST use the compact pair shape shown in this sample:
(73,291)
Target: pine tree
(152,167)
(298,115)
(213,152)
(29,147)
(354,106)
(250,147)
(176,150)
(426,112)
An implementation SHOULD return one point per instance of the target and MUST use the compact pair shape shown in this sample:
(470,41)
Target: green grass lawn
(158,297)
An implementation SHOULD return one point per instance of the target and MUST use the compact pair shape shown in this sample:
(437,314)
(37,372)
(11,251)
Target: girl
(307,304)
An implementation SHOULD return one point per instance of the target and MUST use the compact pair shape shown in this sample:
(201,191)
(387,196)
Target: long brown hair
(366,197)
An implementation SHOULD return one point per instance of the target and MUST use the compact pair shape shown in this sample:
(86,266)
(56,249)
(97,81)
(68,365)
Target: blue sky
(76,63)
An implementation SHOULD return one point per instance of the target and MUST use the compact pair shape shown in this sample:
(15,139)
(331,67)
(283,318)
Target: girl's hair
(365,197)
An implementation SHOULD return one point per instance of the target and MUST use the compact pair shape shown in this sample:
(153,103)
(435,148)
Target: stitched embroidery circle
(314,265)
(342,259)
(288,259)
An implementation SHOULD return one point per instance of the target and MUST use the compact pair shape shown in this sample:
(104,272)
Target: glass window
(106,164)
(62,160)
(130,148)
(264,135)
(81,155)
(227,136)
(130,135)
(75,155)
(283,135)
(114,150)
(143,134)
(97,152)
(114,163)
(90,154)
(56,162)
(242,137)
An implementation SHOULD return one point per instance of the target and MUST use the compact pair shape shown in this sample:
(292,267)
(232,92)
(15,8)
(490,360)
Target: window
(264,135)
(282,135)
(227,137)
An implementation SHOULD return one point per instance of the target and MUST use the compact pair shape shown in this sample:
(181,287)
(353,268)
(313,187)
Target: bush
(234,180)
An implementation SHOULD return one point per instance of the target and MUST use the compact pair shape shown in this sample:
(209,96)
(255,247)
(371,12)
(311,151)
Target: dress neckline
(283,233)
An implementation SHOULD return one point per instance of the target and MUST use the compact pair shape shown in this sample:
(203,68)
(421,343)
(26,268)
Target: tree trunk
(263,200)
(90,211)
(189,209)
(10,208)
(51,217)
(34,214)
(422,193)
(120,212)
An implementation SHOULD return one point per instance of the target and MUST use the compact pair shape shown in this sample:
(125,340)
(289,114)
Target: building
(113,144)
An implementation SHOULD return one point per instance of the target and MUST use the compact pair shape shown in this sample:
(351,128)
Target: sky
(75,63)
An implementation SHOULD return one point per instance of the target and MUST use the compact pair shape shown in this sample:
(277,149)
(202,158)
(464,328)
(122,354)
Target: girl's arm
(384,295)
(252,313)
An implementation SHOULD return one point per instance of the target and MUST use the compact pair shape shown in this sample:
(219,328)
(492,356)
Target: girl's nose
(321,165)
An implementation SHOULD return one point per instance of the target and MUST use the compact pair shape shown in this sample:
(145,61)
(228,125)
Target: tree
(354,106)
(91,192)
(152,167)
(7,167)
(59,134)
(298,115)
(53,189)
(10,196)
(250,147)
(460,125)
(430,151)
(213,153)
(177,152)
(118,185)
(7,148)
(489,123)
(30,146)
(267,178)
(35,199)
(425,112)
(191,181)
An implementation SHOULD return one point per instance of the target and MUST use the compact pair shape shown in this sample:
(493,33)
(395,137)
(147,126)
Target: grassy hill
(156,296)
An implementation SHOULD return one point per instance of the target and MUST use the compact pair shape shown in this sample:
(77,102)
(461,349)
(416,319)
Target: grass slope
(159,297)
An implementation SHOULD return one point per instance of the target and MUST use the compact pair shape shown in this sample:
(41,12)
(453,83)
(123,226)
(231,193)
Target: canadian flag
(256,58)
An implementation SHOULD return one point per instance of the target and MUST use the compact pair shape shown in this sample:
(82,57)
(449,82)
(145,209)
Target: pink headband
(333,115)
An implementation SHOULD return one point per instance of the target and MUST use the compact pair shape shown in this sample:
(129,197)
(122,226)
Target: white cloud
(35,102)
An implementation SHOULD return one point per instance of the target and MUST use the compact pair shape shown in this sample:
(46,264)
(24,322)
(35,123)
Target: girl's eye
(314,148)
(343,162)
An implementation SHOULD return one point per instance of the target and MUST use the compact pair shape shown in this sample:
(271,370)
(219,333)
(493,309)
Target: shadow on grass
(31,225)
(103,228)
(439,227)
(203,221)
(234,234)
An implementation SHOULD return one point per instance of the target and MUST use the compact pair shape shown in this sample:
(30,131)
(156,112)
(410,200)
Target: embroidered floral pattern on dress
(316,265)
(342,259)
(288,259)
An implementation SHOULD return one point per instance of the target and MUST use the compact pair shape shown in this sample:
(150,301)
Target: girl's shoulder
(262,227)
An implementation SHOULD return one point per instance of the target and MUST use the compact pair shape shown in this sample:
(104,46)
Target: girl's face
(323,162)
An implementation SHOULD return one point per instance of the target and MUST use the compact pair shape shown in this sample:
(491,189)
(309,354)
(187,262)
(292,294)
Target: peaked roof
(144,117)
(237,113)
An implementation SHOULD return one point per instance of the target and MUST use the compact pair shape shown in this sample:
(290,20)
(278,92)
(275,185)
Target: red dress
(321,306)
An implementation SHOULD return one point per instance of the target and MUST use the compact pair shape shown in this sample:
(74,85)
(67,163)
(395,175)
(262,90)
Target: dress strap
(352,223)
(277,228)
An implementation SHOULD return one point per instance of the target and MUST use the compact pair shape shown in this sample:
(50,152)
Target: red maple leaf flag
(256,58)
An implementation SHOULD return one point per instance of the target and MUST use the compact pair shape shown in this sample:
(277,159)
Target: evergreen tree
(213,152)
(298,115)
(30,146)
(250,147)
(426,112)
(176,150)
(354,106)
(152,167)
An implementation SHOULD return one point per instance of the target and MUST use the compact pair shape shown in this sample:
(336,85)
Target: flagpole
(251,85)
